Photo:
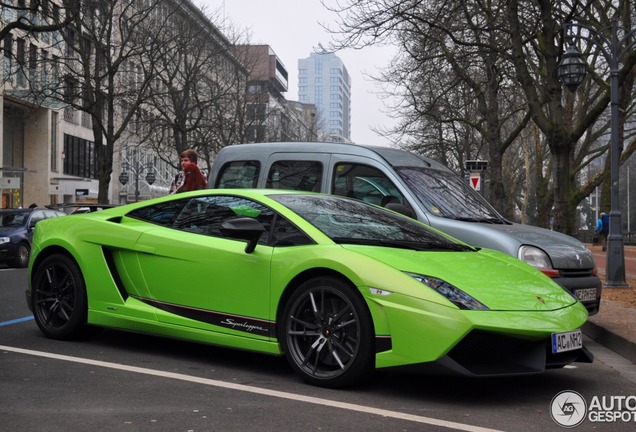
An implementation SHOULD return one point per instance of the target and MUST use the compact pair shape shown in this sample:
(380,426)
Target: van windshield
(446,194)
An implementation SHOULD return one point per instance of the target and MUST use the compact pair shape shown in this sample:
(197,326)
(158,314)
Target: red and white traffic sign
(475,181)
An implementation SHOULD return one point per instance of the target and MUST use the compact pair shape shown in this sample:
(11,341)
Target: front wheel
(327,333)
(59,297)
(22,255)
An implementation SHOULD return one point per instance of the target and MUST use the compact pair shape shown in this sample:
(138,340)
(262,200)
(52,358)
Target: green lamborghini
(337,286)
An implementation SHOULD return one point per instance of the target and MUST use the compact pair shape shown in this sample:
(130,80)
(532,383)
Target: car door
(198,277)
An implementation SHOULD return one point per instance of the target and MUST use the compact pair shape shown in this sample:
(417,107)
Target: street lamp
(137,171)
(571,71)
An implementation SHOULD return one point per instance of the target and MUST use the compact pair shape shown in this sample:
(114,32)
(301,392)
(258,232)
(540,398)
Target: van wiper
(490,220)
(411,245)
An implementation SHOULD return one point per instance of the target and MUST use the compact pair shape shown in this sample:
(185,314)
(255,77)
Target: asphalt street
(118,381)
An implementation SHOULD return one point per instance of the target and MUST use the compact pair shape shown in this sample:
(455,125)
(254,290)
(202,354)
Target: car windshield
(13,219)
(445,194)
(349,221)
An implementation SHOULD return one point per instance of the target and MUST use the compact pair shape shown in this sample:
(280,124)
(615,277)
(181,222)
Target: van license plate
(568,341)
(588,294)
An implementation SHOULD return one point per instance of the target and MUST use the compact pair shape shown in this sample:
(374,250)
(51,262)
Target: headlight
(4,240)
(537,259)
(453,294)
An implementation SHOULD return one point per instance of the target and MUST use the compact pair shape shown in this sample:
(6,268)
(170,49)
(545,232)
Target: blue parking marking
(16,321)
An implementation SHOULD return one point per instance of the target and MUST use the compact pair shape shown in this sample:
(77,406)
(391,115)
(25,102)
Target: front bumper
(484,354)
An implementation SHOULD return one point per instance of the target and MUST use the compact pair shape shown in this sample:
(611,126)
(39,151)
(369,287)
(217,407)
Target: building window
(8,53)
(54,117)
(45,68)
(20,60)
(80,158)
(254,89)
(8,46)
(33,56)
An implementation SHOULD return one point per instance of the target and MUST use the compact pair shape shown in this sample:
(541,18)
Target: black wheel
(327,333)
(22,255)
(59,298)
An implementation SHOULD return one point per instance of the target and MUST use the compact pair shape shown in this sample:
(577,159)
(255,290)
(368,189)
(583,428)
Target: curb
(616,343)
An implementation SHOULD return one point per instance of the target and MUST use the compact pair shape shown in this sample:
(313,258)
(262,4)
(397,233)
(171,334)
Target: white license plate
(567,341)
(588,294)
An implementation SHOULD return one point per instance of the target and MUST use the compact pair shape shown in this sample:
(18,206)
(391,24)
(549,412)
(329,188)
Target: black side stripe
(234,322)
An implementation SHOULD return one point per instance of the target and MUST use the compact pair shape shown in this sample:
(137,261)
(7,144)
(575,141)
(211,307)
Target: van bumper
(577,286)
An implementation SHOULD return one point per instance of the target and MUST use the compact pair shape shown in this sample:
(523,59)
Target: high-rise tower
(323,80)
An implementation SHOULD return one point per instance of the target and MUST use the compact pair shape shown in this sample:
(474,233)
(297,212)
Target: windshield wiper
(411,245)
(491,220)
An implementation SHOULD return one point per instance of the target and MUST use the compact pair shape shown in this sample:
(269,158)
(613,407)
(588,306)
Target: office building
(323,80)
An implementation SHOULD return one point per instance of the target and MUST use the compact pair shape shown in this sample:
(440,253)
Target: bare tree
(103,68)
(496,50)
(458,100)
(198,95)
(26,17)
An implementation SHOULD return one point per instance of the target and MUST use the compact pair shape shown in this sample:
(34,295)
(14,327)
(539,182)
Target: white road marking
(255,390)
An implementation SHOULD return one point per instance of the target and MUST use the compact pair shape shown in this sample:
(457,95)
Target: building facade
(270,116)
(48,153)
(323,80)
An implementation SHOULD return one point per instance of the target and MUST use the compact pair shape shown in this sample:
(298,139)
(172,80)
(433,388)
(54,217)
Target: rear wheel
(328,333)
(59,297)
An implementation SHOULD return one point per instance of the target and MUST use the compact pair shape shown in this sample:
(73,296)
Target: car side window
(163,214)
(295,175)
(205,214)
(36,217)
(239,175)
(365,183)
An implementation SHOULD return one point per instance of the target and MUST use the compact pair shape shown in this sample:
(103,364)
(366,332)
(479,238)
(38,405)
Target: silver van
(417,186)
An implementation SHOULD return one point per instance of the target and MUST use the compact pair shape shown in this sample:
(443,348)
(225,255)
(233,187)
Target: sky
(292,29)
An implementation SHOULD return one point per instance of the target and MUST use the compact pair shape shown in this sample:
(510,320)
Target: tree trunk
(564,206)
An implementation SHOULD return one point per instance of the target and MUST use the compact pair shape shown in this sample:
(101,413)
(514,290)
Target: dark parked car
(16,232)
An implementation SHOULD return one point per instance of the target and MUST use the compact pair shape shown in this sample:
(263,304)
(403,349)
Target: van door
(368,183)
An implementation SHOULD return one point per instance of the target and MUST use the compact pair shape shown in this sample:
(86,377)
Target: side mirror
(401,208)
(244,229)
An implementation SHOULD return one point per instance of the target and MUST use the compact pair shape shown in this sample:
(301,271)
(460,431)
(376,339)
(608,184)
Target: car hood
(11,230)
(564,251)
(495,279)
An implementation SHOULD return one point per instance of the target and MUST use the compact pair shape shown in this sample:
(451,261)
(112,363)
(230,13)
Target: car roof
(395,157)
(24,210)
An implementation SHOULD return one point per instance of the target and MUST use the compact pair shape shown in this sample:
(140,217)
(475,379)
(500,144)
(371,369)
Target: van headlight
(4,240)
(453,294)
(538,259)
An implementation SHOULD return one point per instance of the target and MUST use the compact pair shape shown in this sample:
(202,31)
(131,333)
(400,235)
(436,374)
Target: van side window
(365,183)
(239,175)
(295,175)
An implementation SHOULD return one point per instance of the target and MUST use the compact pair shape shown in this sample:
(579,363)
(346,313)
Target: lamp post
(571,71)
(137,171)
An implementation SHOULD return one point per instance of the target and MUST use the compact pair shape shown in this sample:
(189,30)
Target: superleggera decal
(239,323)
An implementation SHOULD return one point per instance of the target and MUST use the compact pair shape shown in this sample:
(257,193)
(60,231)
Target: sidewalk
(615,324)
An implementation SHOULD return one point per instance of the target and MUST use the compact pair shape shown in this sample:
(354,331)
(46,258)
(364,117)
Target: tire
(22,254)
(59,298)
(327,333)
